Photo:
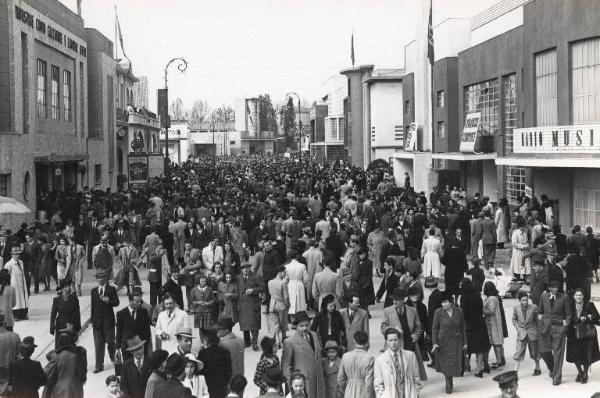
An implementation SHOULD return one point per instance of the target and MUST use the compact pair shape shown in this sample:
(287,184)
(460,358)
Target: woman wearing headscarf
(495,322)
(582,337)
(65,311)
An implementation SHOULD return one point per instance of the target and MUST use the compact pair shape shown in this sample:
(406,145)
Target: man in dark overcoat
(250,286)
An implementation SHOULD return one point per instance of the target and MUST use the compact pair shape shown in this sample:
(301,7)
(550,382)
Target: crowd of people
(222,242)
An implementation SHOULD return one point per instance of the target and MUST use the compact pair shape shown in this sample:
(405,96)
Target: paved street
(468,386)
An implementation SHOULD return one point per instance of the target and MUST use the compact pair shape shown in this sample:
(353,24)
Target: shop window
(4,184)
(67,96)
(515,183)
(441,99)
(586,198)
(585,81)
(97,174)
(54,98)
(546,98)
(484,97)
(509,116)
(441,130)
(42,76)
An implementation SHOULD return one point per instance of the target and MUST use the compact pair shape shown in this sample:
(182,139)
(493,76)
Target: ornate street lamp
(182,66)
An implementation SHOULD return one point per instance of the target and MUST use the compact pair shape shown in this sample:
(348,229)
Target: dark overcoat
(449,333)
(249,304)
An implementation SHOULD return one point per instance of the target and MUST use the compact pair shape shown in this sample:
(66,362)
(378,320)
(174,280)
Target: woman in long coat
(495,322)
(520,245)
(431,253)
(375,244)
(477,336)
(502,225)
(228,297)
(583,352)
(8,299)
(363,277)
(65,312)
(449,337)
(71,369)
(455,260)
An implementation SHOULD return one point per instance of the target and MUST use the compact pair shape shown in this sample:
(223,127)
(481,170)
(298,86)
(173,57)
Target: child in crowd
(113,387)
(298,386)
(331,366)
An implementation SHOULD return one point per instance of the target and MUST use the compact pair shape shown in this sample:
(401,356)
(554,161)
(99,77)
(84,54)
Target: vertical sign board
(156,166)
(411,138)
(528,191)
(469,133)
(138,170)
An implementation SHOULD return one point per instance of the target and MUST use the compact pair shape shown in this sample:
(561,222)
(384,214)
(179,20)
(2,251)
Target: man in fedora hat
(302,352)
(184,340)
(104,298)
(173,287)
(250,286)
(135,373)
(132,321)
(173,387)
(508,383)
(18,281)
(273,378)
(231,343)
(103,256)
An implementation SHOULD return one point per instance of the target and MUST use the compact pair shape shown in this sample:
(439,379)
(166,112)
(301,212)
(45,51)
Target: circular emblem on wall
(138,142)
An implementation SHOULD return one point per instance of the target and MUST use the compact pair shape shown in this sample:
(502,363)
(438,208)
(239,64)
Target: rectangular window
(334,129)
(42,76)
(441,100)
(484,97)
(67,96)
(441,130)
(515,183)
(231,142)
(25,81)
(341,128)
(54,99)
(398,134)
(4,184)
(585,81)
(586,198)
(509,116)
(98,174)
(546,98)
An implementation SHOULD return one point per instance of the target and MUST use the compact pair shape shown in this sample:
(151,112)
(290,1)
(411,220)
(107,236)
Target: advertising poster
(469,133)
(138,169)
(156,166)
(411,138)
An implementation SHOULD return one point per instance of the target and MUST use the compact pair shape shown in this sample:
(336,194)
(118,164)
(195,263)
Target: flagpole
(116,38)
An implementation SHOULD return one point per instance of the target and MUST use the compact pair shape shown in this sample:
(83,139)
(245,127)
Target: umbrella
(12,206)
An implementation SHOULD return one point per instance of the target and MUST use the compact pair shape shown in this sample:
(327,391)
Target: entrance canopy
(460,156)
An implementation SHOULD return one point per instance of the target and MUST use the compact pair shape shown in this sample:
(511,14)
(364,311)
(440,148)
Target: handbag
(585,330)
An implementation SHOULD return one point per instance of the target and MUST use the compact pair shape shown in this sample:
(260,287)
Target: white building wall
(497,26)
(451,36)
(336,89)
(386,113)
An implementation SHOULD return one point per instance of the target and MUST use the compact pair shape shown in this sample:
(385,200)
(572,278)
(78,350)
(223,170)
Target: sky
(243,48)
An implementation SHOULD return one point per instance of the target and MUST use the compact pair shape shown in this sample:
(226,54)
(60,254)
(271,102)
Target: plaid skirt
(203,319)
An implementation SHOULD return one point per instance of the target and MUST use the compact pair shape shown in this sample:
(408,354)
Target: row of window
(55,92)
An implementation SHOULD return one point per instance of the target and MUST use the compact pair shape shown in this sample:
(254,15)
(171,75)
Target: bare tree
(177,110)
(199,112)
(221,118)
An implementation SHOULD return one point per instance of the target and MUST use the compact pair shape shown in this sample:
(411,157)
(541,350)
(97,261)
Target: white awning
(404,155)
(565,161)
(461,156)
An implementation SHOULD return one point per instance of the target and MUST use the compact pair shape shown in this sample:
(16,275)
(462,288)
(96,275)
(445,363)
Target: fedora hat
(301,316)
(134,343)
(274,377)
(101,273)
(16,250)
(245,265)
(331,345)
(29,341)
(184,332)
(175,364)
(431,282)
(199,364)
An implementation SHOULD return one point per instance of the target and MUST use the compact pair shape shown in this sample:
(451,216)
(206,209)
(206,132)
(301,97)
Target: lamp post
(299,132)
(182,66)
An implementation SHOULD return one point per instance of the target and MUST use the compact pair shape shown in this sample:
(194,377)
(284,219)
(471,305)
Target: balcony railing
(138,116)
